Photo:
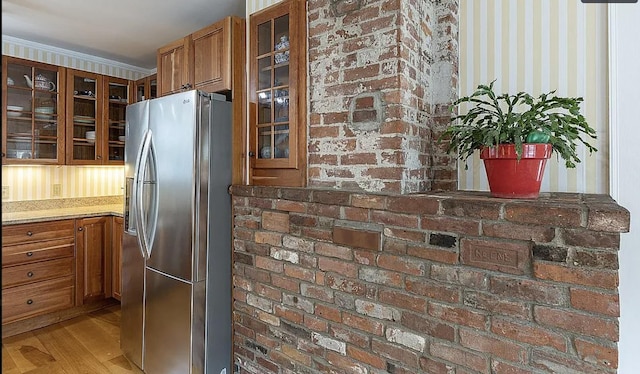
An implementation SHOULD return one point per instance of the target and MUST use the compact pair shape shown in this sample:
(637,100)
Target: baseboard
(29,324)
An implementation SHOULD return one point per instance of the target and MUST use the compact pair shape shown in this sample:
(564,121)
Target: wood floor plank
(109,321)
(73,357)
(8,365)
(120,365)
(89,344)
(89,332)
(52,368)
(27,352)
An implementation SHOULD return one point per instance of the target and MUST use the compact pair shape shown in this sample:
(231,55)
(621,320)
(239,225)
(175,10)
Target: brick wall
(332,281)
(382,74)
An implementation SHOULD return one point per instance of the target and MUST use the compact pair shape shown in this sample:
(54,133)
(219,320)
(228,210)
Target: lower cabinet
(37,269)
(116,245)
(93,259)
(54,266)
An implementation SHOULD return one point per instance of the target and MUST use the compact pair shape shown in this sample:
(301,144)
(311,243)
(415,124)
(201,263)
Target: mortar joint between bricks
(584,216)
(501,212)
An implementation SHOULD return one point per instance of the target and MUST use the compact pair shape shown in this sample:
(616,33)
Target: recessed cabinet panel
(173,67)
(33,129)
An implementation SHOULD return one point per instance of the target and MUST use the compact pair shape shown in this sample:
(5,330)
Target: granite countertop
(50,210)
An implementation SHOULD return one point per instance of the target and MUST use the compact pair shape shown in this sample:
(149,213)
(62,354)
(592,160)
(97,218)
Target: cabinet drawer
(38,251)
(32,232)
(36,298)
(37,271)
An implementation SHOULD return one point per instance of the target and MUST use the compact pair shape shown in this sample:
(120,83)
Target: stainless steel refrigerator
(176,260)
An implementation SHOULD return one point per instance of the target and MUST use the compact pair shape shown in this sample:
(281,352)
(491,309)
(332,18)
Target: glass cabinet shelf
(31,131)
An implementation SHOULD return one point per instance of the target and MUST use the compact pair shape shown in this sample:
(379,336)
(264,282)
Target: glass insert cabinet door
(118,98)
(33,128)
(84,137)
(273,130)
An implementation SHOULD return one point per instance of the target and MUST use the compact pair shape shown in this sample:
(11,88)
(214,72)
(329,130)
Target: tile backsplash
(22,183)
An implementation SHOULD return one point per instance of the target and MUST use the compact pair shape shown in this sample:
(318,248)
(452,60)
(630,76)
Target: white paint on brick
(374,275)
(299,244)
(409,340)
(260,303)
(441,90)
(268,318)
(284,255)
(329,343)
(369,184)
(298,302)
(377,311)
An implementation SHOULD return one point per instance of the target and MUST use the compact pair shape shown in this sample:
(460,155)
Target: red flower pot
(512,178)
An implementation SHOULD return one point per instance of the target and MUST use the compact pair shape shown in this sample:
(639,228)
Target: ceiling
(126,31)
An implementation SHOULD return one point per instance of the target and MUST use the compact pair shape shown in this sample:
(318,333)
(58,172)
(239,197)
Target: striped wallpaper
(36,182)
(256,5)
(539,46)
(62,57)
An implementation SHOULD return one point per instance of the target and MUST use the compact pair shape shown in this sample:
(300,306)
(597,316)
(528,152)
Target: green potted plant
(515,135)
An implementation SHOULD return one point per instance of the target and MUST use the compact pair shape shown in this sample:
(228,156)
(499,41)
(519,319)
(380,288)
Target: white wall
(625,174)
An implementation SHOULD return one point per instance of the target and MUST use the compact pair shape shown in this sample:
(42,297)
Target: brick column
(379,72)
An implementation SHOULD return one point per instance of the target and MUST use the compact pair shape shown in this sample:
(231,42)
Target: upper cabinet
(212,57)
(202,60)
(33,124)
(174,67)
(277,91)
(117,94)
(57,115)
(96,107)
(84,113)
(146,88)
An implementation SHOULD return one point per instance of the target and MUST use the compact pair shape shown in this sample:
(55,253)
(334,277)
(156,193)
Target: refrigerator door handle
(140,181)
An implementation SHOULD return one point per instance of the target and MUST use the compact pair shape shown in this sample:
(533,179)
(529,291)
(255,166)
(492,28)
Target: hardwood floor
(85,344)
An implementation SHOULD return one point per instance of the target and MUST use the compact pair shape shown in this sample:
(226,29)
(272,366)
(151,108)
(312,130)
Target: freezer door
(174,122)
(174,326)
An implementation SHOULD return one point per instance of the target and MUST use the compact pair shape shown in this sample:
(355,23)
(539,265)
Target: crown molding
(74,54)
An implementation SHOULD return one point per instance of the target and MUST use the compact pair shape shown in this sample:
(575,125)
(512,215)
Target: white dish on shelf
(14,111)
(44,109)
(84,120)
(90,134)
(121,138)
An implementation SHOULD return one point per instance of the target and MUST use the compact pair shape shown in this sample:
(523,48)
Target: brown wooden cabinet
(116,245)
(117,95)
(96,107)
(146,88)
(84,118)
(277,94)
(33,124)
(37,269)
(93,259)
(212,57)
(203,60)
(174,69)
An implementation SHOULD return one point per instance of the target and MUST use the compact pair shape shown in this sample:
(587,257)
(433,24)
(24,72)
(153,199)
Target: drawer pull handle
(30,274)
(29,254)
(79,228)
(29,233)
(29,302)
